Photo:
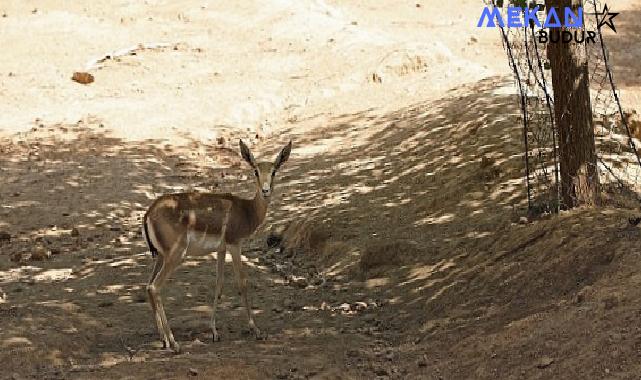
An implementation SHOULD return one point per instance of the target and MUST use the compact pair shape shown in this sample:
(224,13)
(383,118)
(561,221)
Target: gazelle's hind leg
(220,277)
(171,261)
(158,263)
(241,278)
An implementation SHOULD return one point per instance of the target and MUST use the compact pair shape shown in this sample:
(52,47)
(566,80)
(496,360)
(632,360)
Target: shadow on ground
(428,268)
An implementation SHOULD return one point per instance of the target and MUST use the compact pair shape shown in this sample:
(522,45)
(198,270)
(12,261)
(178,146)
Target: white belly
(199,243)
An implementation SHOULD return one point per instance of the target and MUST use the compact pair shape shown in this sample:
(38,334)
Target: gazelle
(177,225)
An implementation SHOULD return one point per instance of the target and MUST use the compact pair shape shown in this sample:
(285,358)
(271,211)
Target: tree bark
(573,116)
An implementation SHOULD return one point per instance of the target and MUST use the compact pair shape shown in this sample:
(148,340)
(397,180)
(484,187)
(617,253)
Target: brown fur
(204,212)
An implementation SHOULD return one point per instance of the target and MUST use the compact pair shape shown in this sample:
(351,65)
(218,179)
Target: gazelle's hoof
(175,347)
(216,337)
(259,335)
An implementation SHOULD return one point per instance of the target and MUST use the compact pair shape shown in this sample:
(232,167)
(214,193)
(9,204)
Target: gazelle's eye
(256,172)
(273,173)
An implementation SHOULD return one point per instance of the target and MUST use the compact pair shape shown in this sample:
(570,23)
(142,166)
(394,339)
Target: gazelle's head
(265,172)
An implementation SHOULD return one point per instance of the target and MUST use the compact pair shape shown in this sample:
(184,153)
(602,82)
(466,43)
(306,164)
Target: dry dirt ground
(405,251)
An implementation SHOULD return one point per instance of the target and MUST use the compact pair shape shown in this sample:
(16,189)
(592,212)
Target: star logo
(606,18)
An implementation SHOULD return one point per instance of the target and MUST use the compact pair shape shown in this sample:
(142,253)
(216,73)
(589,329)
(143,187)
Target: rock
(82,77)
(381,372)
(220,140)
(360,305)
(5,236)
(298,281)
(75,232)
(345,307)
(193,372)
(39,254)
(544,362)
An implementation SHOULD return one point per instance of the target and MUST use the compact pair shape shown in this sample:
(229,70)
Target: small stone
(220,140)
(75,232)
(39,254)
(82,77)
(105,304)
(523,220)
(198,342)
(381,372)
(360,305)
(345,307)
(193,371)
(4,236)
(544,362)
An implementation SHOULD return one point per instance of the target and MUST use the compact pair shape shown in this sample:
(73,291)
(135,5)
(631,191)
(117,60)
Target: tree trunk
(573,116)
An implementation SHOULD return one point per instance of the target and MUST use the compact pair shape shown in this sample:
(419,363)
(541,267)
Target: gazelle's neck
(260,205)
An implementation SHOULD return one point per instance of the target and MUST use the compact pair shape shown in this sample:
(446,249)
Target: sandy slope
(239,65)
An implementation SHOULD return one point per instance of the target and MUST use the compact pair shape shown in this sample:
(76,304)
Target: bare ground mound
(416,265)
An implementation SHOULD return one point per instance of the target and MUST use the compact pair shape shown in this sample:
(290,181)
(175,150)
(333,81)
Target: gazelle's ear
(283,156)
(246,154)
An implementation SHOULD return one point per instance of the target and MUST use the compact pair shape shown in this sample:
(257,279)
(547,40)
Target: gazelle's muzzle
(266,188)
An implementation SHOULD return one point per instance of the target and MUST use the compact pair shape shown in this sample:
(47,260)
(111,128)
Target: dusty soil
(406,253)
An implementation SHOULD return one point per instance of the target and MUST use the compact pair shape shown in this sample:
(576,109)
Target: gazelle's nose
(265,192)
(266,189)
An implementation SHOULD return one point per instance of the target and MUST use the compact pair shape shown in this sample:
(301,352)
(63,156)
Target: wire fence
(619,165)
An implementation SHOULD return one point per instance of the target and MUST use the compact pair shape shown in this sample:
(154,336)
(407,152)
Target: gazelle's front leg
(220,277)
(241,278)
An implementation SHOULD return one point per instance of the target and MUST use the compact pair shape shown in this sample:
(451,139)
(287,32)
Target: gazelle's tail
(152,248)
